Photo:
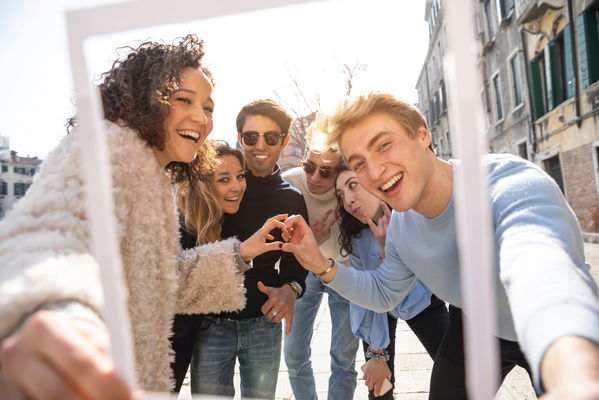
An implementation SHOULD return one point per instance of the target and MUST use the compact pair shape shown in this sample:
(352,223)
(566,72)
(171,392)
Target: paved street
(412,364)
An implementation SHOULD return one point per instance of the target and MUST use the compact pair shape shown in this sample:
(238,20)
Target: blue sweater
(539,261)
(370,326)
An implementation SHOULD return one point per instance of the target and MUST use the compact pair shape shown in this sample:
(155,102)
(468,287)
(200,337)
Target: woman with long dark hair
(363,221)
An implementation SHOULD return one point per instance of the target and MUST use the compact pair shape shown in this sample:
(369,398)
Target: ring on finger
(274,314)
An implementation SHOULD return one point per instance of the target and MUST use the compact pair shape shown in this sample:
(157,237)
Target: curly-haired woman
(157,101)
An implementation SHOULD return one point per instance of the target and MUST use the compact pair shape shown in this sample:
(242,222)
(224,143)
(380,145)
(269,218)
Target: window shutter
(536,88)
(568,63)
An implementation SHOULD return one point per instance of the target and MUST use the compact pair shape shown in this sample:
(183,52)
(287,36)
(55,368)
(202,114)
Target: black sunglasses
(271,138)
(325,172)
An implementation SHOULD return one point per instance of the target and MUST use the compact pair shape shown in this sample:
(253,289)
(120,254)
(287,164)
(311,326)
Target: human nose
(375,169)
(199,115)
(348,199)
(261,143)
(235,187)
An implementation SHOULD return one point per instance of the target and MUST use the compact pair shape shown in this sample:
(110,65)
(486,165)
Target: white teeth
(392,182)
(261,156)
(193,135)
(232,198)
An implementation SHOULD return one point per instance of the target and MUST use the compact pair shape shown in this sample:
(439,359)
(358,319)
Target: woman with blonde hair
(202,204)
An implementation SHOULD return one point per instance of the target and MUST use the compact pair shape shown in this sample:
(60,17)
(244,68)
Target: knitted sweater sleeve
(44,245)
(211,279)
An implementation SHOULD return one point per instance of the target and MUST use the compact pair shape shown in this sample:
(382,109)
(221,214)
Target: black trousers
(429,326)
(448,375)
(185,331)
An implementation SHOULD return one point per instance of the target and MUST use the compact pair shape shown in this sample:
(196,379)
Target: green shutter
(583,59)
(536,89)
(568,63)
(592,44)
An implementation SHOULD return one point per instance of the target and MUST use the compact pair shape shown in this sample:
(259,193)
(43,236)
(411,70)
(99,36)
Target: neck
(160,157)
(438,191)
(263,174)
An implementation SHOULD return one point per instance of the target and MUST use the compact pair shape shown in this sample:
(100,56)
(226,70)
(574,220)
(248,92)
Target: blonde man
(539,255)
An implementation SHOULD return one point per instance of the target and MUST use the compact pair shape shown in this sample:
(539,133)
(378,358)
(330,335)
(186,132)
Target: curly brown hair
(136,90)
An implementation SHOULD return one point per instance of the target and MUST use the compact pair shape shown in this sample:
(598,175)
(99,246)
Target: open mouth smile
(392,183)
(189,135)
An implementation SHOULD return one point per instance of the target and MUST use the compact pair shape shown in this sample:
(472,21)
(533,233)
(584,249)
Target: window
(552,74)
(21,188)
(516,79)
(504,7)
(587,29)
(554,169)
(3,188)
(490,21)
(498,102)
(5,168)
(522,150)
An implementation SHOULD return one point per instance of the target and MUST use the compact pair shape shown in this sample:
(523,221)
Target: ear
(286,141)
(239,140)
(424,136)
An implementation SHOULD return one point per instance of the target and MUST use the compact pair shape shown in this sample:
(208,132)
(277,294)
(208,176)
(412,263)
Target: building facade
(561,44)
(503,69)
(16,175)
(432,99)
(540,67)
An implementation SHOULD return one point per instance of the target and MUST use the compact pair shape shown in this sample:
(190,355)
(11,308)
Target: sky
(252,56)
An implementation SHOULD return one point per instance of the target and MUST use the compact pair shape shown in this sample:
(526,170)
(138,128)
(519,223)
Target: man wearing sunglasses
(315,178)
(253,335)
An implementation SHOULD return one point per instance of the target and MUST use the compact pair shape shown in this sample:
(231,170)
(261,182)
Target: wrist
(244,253)
(375,355)
(325,266)
(297,288)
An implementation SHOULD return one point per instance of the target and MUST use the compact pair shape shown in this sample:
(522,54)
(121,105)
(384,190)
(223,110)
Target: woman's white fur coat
(45,252)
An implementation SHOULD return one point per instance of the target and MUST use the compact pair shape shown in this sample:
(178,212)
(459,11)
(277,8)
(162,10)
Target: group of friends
(217,245)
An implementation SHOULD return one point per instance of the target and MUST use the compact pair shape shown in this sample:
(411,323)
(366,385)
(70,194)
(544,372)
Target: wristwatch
(296,286)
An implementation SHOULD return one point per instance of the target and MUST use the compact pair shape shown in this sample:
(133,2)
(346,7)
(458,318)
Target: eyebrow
(185,90)
(371,143)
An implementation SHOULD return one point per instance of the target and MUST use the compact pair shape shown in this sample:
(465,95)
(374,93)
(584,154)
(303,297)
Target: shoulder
(292,175)
(512,178)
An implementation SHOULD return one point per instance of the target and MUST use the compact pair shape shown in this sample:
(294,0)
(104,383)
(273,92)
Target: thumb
(290,247)
(263,288)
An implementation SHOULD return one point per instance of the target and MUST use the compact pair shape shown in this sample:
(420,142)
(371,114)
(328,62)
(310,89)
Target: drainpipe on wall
(575,61)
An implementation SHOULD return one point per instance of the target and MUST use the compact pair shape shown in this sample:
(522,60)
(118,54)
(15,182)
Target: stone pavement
(412,363)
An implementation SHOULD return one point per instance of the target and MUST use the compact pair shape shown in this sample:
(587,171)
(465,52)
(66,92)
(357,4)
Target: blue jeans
(256,342)
(344,345)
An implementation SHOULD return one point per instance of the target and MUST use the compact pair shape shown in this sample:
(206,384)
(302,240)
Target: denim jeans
(256,342)
(344,345)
